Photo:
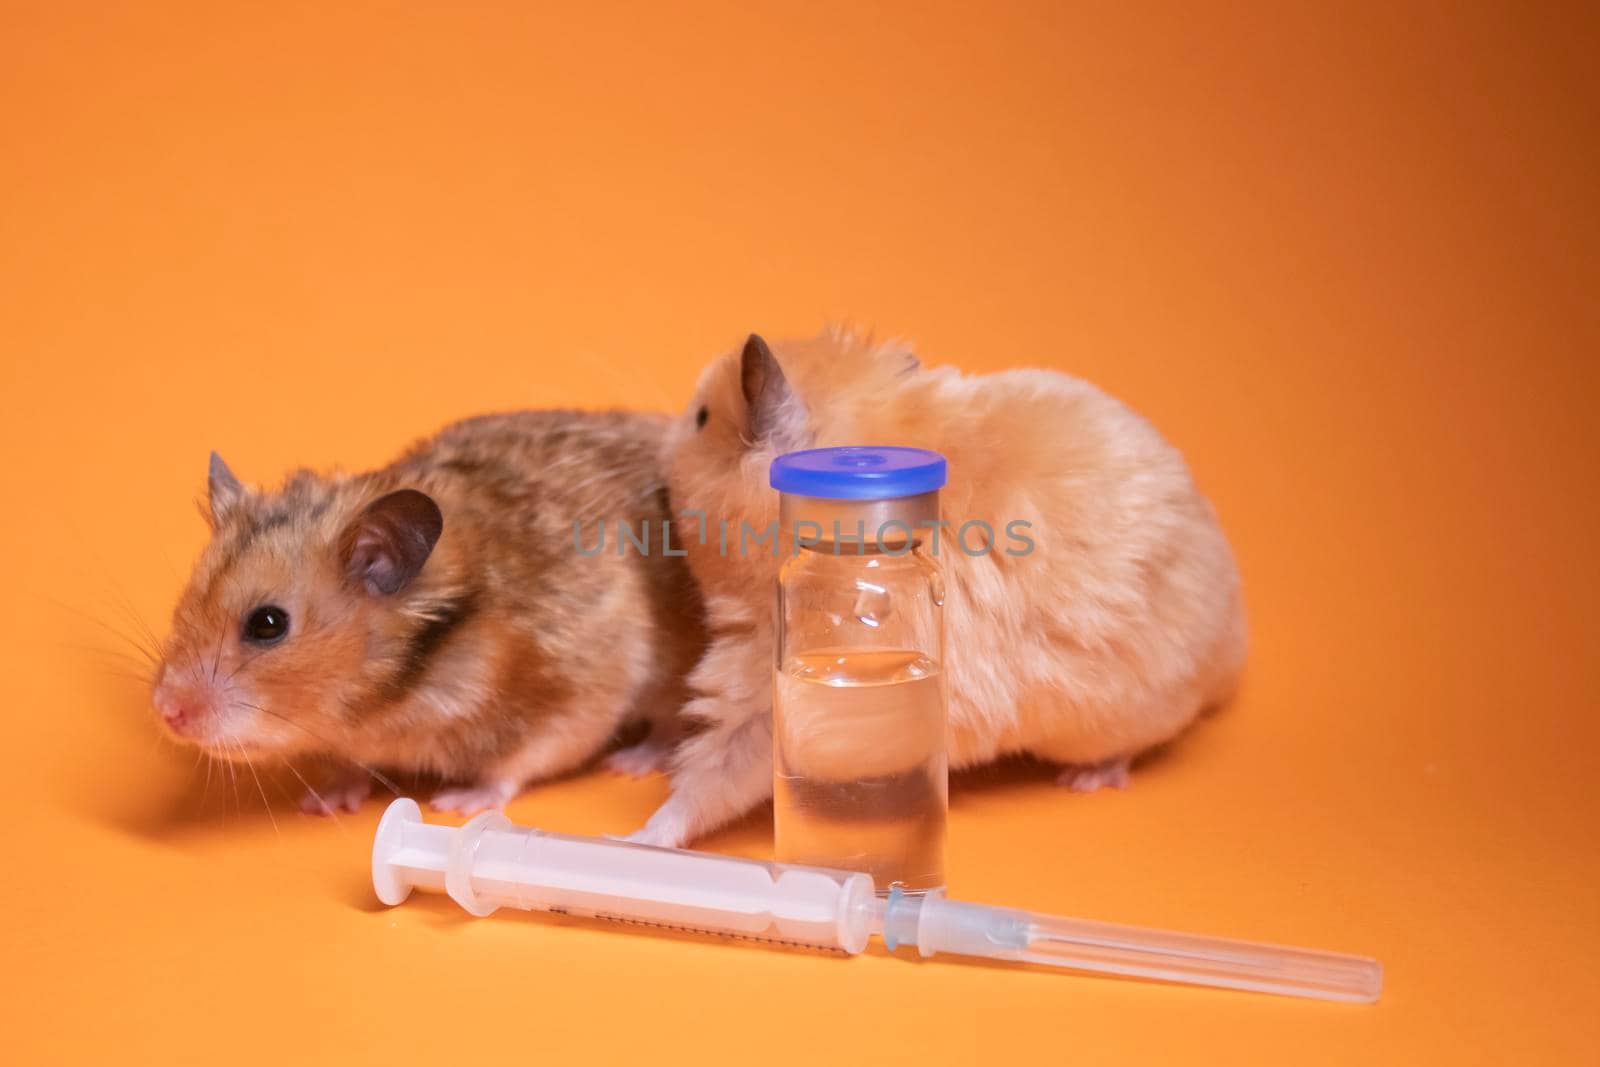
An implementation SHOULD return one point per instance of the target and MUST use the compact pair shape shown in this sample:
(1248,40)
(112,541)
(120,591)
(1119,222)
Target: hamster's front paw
(666,828)
(346,793)
(1088,777)
(469,800)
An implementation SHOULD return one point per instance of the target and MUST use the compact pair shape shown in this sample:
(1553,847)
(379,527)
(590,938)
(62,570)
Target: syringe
(491,863)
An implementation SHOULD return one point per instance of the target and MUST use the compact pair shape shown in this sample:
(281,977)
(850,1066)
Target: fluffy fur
(1109,638)
(494,657)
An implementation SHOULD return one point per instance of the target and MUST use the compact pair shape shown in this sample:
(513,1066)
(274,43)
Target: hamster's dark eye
(266,625)
(700,418)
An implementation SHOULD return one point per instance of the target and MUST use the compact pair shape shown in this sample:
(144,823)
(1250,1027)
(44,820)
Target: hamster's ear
(223,491)
(387,544)
(775,413)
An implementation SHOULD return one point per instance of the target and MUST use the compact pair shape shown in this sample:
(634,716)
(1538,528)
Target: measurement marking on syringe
(729,935)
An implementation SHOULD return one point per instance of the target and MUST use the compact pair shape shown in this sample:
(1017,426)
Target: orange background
(1346,260)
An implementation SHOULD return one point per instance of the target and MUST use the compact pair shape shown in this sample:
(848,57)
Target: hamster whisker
(147,647)
(277,787)
(196,666)
(145,653)
(376,776)
(141,639)
(211,762)
(113,653)
(233,779)
(248,762)
(199,758)
(143,628)
(326,807)
(141,680)
(251,764)
(225,761)
(126,666)
(244,662)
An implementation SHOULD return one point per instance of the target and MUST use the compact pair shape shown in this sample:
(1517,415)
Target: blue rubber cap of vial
(858,472)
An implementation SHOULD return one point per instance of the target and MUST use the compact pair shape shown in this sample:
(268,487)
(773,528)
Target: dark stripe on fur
(249,530)
(426,640)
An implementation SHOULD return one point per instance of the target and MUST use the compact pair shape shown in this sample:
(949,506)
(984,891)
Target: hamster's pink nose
(181,711)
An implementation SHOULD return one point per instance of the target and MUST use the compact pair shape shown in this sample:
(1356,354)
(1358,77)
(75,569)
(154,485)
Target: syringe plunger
(490,863)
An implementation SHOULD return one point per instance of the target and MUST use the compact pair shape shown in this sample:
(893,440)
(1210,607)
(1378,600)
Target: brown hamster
(1108,637)
(437,616)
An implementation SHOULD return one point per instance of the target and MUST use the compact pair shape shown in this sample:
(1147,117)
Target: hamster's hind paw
(636,761)
(1088,777)
(469,800)
(344,795)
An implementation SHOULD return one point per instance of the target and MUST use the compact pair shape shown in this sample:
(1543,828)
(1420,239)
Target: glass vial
(859,763)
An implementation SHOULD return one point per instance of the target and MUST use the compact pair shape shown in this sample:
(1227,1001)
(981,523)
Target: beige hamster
(1111,636)
(437,616)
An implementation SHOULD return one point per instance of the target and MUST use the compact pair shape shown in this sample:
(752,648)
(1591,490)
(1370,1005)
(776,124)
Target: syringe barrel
(490,863)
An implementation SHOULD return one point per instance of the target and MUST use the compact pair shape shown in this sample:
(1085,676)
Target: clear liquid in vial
(859,748)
